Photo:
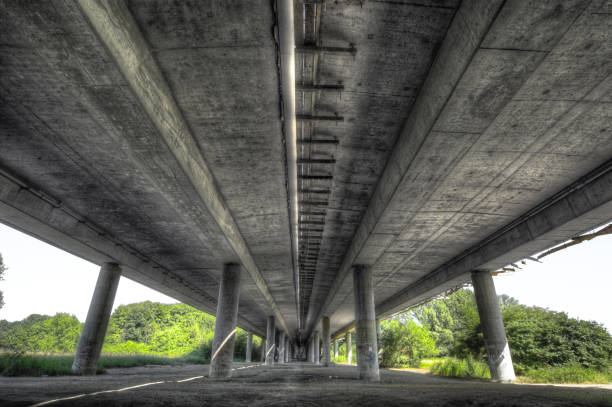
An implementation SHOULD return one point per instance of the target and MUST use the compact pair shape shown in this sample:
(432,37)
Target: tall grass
(573,373)
(20,364)
(473,369)
(464,368)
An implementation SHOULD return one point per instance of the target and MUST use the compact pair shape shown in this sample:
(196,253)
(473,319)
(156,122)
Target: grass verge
(19,364)
(463,368)
(566,374)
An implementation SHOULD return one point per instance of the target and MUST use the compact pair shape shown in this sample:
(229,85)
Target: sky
(42,279)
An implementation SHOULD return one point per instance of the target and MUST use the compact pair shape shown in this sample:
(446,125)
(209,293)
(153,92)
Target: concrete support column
(316,349)
(263,350)
(336,349)
(249,347)
(378,336)
(271,329)
(94,330)
(311,350)
(365,324)
(326,355)
(349,348)
(287,348)
(225,322)
(281,347)
(493,331)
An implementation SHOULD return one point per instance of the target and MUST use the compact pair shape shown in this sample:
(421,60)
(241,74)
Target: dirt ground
(294,384)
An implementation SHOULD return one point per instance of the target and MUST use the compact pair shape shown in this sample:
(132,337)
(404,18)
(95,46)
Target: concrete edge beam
(578,200)
(42,217)
(117,30)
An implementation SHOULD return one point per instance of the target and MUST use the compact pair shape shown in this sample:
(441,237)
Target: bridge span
(302,169)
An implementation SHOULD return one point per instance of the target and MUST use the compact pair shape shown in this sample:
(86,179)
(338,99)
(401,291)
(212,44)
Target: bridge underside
(433,138)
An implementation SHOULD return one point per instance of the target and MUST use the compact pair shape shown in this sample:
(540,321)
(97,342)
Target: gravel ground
(294,384)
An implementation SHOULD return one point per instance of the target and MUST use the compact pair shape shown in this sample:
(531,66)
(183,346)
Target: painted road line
(191,378)
(44,403)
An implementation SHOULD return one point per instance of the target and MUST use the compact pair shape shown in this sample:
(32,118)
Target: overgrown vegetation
(405,343)
(21,364)
(138,334)
(464,368)
(546,346)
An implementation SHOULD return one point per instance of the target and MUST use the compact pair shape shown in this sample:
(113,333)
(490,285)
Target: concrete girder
(31,211)
(117,29)
(479,189)
(587,201)
(462,41)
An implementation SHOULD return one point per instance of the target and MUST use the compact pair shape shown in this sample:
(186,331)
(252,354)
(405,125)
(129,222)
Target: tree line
(538,338)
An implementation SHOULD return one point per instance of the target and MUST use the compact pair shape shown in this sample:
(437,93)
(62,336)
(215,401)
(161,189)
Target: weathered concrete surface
(474,133)
(485,143)
(96,323)
(492,325)
(91,136)
(222,350)
(288,385)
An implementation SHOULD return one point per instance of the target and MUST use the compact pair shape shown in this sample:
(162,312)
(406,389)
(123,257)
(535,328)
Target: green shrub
(464,368)
(404,343)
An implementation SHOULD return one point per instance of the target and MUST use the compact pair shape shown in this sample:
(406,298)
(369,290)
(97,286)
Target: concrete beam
(94,330)
(468,29)
(117,30)
(38,214)
(586,202)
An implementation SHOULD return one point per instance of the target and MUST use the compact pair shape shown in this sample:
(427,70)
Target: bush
(404,343)
(573,373)
(464,368)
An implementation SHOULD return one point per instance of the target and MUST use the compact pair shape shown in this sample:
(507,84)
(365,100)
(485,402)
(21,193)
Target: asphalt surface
(293,384)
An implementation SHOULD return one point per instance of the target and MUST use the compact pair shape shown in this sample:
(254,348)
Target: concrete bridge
(302,169)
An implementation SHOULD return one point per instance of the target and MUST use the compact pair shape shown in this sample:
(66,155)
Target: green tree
(2,270)
(405,343)
(449,319)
